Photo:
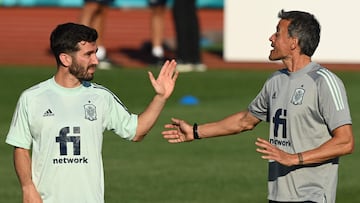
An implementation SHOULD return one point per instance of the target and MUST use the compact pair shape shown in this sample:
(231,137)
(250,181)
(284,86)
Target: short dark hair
(305,27)
(65,38)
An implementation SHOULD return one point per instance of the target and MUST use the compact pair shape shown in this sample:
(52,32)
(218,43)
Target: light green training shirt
(64,128)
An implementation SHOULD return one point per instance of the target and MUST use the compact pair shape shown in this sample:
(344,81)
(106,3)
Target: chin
(274,58)
(88,77)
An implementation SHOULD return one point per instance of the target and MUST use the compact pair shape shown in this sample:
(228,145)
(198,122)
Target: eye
(88,54)
(276,34)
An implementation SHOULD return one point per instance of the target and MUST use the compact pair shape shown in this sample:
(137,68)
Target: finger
(170,126)
(262,151)
(175,76)
(263,142)
(173,64)
(175,121)
(170,136)
(165,64)
(262,145)
(265,154)
(173,138)
(267,157)
(170,68)
(169,132)
(164,69)
(175,141)
(151,77)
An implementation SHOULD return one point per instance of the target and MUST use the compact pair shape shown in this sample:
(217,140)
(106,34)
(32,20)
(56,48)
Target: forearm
(234,124)
(147,119)
(340,144)
(22,163)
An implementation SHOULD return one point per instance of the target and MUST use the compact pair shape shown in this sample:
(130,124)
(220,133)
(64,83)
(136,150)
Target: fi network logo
(64,138)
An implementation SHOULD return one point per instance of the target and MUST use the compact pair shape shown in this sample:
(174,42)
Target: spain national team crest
(298,96)
(90,112)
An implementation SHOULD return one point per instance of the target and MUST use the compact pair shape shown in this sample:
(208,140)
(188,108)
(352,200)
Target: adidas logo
(274,96)
(48,113)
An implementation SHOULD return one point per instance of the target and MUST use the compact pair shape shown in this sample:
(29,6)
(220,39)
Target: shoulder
(277,75)
(322,75)
(36,89)
(326,81)
(104,92)
(100,89)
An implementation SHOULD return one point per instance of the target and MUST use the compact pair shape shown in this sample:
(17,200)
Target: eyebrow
(90,52)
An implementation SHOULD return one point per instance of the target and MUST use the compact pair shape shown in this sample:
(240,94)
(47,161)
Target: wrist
(195,132)
(300,159)
(160,98)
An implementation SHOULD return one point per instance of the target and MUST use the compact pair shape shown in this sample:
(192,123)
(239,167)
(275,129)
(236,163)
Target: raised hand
(165,83)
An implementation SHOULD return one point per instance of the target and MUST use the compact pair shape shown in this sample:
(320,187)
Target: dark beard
(80,72)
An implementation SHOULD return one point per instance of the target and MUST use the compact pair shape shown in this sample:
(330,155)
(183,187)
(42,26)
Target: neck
(295,64)
(66,79)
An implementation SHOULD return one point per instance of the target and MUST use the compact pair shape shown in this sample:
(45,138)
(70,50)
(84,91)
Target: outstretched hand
(180,131)
(271,152)
(165,83)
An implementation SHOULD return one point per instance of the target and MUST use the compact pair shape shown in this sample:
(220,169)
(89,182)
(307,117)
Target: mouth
(92,67)
(272,47)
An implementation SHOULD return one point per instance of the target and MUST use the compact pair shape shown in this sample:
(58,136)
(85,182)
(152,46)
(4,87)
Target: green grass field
(218,170)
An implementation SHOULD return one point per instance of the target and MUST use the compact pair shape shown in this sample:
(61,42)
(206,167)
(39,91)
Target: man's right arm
(22,163)
(181,131)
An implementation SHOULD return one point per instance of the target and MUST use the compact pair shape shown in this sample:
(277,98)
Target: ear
(294,43)
(65,59)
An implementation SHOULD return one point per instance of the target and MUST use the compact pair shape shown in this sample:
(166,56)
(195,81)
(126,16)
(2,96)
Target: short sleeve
(19,134)
(333,101)
(259,106)
(120,120)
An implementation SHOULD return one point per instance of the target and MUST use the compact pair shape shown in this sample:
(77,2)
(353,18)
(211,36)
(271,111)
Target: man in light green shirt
(63,119)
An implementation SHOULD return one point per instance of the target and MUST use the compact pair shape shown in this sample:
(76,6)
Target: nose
(271,38)
(95,59)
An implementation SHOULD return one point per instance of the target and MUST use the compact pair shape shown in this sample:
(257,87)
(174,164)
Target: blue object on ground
(189,100)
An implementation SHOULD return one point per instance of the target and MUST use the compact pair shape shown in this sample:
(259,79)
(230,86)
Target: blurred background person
(157,25)
(188,53)
(93,14)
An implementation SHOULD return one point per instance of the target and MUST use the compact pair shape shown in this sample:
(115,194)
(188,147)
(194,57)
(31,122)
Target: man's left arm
(341,143)
(163,86)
